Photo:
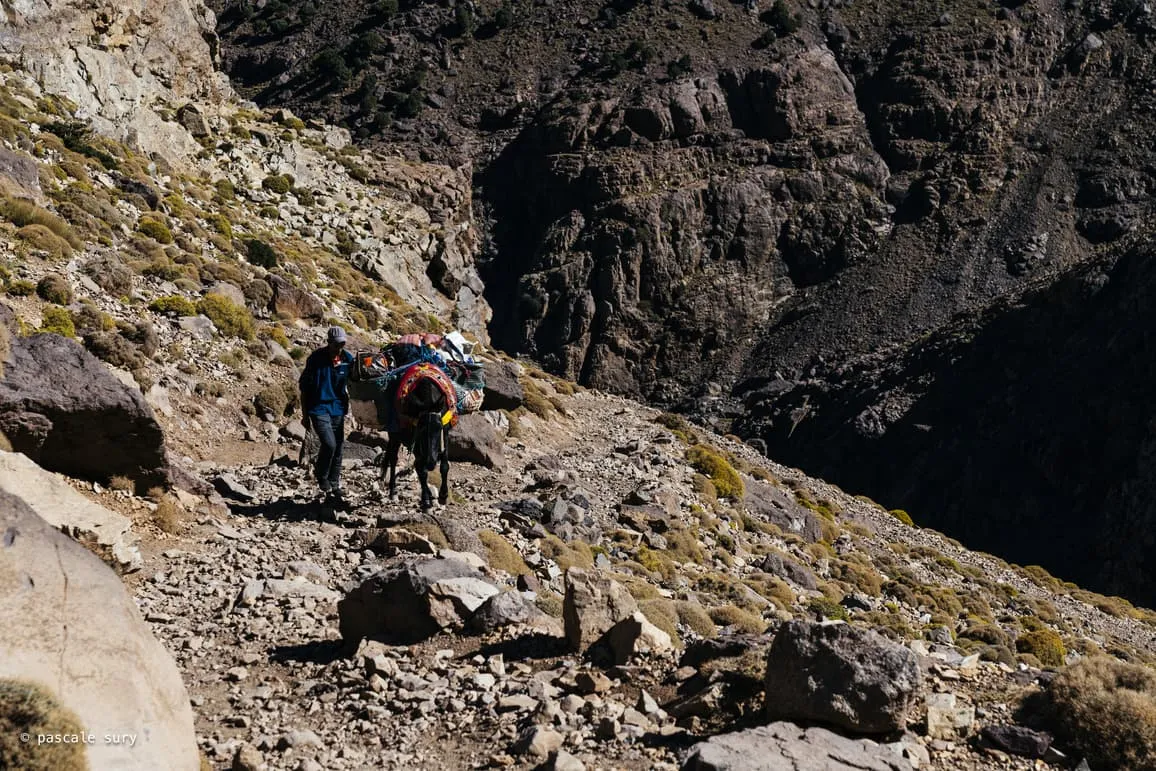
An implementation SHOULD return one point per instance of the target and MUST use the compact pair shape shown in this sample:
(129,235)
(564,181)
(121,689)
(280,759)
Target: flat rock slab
(787,747)
(105,533)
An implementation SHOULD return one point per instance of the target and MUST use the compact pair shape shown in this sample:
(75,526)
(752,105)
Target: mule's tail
(427,445)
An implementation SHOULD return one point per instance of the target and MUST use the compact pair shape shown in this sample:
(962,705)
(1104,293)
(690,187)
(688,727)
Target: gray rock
(200,327)
(474,440)
(779,507)
(842,676)
(564,761)
(592,606)
(395,604)
(248,758)
(230,292)
(1017,740)
(785,567)
(502,610)
(228,486)
(70,624)
(105,533)
(60,406)
(291,301)
(947,718)
(503,387)
(787,747)
(635,635)
(538,741)
(192,119)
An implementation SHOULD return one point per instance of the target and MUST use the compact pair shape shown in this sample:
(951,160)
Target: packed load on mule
(380,379)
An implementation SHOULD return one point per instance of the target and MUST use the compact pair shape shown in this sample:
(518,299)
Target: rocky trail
(247,600)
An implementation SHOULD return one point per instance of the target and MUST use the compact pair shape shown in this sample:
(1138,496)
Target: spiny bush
(727,482)
(731,615)
(19,287)
(1045,645)
(169,515)
(111,275)
(261,254)
(173,304)
(1105,710)
(156,230)
(277,183)
(271,399)
(54,289)
(44,240)
(502,555)
(230,319)
(58,321)
(903,517)
(23,212)
(695,616)
(28,708)
(828,609)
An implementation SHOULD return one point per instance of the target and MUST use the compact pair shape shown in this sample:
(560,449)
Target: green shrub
(156,230)
(20,288)
(23,212)
(230,319)
(271,399)
(744,621)
(261,254)
(502,555)
(222,225)
(1104,710)
(727,482)
(828,608)
(43,239)
(903,517)
(174,304)
(54,289)
(58,320)
(225,190)
(28,708)
(278,183)
(1045,645)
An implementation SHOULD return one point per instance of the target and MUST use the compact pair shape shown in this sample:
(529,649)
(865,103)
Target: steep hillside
(720,207)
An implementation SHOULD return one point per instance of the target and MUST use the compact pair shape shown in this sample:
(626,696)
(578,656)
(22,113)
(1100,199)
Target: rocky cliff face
(802,201)
(121,63)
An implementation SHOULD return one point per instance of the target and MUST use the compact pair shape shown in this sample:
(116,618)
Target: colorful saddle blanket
(409,380)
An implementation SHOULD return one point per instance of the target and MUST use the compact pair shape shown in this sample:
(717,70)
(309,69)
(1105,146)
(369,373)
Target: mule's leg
(391,462)
(444,492)
(423,480)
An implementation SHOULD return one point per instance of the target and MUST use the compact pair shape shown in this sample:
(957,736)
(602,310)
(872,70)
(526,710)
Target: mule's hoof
(442,500)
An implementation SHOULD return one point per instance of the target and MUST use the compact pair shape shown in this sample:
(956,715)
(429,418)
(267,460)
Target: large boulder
(103,532)
(292,302)
(842,676)
(788,747)
(593,605)
(69,625)
(411,599)
(474,440)
(779,507)
(503,387)
(60,406)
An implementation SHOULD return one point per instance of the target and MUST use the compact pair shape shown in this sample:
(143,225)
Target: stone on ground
(842,676)
(474,440)
(593,604)
(787,747)
(105,533)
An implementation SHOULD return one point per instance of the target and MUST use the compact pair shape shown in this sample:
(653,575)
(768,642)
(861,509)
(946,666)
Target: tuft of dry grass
(695,616)
(169,515)
(662,613)
(575,554)
(1106,710)
(430,532)
(503,555)
(30,708)
(731,615)
(122,484)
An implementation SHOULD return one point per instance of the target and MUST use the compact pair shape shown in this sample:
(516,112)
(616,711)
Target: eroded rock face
(640,245)
(69,624)
(116,60)
(62,408)
(788,747)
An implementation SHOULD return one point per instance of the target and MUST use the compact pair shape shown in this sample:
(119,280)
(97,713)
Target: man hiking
(325,403)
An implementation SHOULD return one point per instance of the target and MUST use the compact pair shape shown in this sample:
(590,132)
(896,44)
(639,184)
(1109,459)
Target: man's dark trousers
(330,430)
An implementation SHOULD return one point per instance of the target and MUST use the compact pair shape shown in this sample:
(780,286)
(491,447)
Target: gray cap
(336,335)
